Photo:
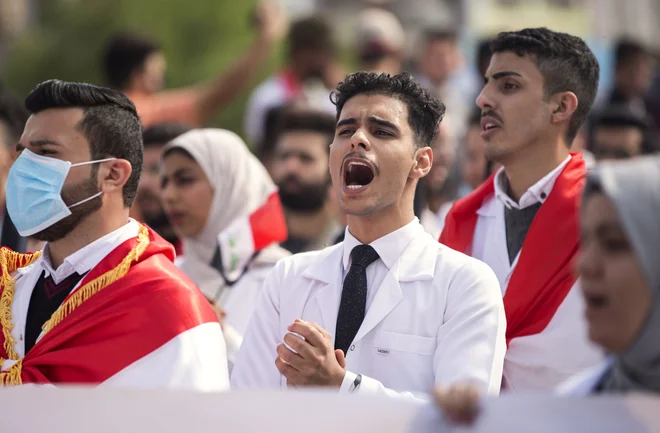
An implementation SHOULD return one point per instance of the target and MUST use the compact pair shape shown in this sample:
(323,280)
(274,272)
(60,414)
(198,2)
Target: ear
(565,104)
(423,163)
(113,175)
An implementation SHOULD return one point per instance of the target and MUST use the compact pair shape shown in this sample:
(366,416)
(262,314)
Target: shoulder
(269,90)
(296,265)
(448,265)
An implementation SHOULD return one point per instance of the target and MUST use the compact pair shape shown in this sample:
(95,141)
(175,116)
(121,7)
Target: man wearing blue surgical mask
(104,292)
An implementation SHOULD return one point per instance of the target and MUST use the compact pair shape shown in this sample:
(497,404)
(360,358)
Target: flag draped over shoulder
(130,304)
(544,273)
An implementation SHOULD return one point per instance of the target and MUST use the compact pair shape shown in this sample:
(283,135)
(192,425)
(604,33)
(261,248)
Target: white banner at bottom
(34,409)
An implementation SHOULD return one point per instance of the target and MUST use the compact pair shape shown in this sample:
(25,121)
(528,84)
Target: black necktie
(517,223)
(353,297)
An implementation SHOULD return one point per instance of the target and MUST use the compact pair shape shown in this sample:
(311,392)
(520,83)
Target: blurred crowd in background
(265,72)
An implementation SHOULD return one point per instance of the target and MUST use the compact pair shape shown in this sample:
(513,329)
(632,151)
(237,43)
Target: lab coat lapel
(327,273)
(417,262)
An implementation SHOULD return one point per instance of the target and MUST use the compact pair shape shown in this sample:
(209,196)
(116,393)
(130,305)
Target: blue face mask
(34,188)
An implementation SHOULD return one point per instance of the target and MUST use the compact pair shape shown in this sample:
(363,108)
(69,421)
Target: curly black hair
(565,61)
(424,111)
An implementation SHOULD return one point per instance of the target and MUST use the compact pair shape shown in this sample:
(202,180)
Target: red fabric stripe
(292,84)
(268,224)
(122,323)
(544,273)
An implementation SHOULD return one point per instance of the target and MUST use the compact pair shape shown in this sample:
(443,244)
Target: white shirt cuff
(346,384)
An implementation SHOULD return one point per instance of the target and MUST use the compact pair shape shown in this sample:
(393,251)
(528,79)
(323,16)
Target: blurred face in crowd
(617,295)
(151,78)
(56,133)
(443,159)
(473,165)
(186,193)
(439,60)
(300,170)
(373,158)
(313,63)
(515,111)
(636,75)
(617,142)
(148,194)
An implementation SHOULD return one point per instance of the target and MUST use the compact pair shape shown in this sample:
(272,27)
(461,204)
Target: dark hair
(565,61)
(626,50)
(295,120)
(622,116)
(12,114)
(483,56)
(162,133)
(313,33)
(125,53)
(433,34)
(110,122)
(424,111)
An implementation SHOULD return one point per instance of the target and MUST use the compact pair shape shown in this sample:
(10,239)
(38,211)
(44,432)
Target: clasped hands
(313,360)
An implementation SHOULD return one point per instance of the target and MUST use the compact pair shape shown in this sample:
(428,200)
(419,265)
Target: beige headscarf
(240,184)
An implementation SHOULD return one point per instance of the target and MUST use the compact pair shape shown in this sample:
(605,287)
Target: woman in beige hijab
(211,184)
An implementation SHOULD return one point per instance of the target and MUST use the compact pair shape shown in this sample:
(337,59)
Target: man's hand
(459,404)
(316,363)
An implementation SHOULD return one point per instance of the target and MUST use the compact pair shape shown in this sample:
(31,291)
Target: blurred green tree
(199,38)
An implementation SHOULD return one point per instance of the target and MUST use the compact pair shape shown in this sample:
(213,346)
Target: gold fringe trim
(93,287)
(9,262)
(13,375)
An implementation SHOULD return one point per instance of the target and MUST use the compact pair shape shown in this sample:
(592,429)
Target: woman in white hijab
(619,268)
(211,184)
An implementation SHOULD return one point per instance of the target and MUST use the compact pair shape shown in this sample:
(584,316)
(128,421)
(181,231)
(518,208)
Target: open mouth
(596,301)
(357,174)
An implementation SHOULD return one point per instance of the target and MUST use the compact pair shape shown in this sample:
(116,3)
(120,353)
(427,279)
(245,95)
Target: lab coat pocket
(386,341)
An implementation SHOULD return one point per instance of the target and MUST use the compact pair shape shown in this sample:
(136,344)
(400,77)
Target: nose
(588,264)
(484,100)
(359,140)
(168,193)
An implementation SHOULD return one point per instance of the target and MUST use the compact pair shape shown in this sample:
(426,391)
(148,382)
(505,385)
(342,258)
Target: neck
(368,228)
(531,164)
(307,225)
(93,227)
(389,65)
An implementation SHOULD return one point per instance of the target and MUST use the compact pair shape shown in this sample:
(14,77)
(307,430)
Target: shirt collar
(90,255)
(536,193)
(389,247)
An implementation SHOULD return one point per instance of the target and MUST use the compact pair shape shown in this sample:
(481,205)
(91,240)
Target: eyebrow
(37,143)
(503,74)
(181,172)
(371,119)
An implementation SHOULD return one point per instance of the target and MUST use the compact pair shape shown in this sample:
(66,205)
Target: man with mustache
(389,310)
(147,199)
(300,170)
(103,303)
(523,221)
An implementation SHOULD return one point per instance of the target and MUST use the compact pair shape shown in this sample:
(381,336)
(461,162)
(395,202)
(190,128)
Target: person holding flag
(103,303)
(523,221)
(226,209)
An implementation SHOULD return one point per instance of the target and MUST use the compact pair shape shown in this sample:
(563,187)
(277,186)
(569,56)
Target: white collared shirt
(541,361)
(389,249)
(81,261)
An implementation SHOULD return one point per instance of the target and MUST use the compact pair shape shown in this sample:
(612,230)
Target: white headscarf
(240,185)
(633,186)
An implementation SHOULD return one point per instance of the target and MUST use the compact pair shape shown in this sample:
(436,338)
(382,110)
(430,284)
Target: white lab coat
(437,319)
